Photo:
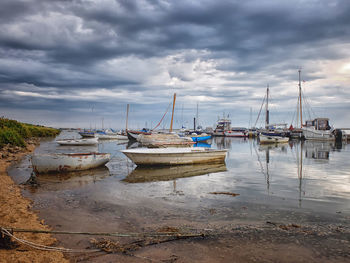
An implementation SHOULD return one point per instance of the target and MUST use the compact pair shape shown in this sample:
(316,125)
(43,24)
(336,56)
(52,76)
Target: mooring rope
(7,231)
(46,248)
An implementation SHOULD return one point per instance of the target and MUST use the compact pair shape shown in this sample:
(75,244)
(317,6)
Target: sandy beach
(16,213)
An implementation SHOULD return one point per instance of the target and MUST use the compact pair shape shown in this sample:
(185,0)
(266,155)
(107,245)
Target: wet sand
(16,212)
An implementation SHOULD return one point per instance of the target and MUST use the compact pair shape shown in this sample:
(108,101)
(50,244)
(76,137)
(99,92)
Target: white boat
(174,156)
(222,125)
(89,141)
(158,140)
(272,138)
(66,162)
(318,129)
(103,136)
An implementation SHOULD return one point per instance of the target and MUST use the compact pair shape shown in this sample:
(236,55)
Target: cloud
(65,56)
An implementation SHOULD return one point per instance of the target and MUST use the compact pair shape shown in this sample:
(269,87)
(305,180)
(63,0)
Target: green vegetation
(15,133)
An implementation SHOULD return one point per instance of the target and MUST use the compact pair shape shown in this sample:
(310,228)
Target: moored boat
(105,136)
(222,126)
(80,142)
(270,137)
(66,162)
(133,134)
(237,132)
(87,134)
(318,129)
(201,137)
(174,156)
(158,140)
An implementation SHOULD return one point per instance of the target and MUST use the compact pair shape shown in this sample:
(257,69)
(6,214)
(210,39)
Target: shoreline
(16,211)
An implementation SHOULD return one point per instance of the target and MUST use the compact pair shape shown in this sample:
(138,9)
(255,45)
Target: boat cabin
(223,125)
(321,124)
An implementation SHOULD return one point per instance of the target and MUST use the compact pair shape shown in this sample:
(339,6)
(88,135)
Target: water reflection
(318,150)
(269,179)
(143,174)
(70,180)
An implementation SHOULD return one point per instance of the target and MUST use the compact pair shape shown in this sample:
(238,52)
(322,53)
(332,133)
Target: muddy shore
(16,212)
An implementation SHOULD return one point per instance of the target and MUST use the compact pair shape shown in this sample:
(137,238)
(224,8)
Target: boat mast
(197,119)
(127,117)
(267,107)
(300,105)
(172,115)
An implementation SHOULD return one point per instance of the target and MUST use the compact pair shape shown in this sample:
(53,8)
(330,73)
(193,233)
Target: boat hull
(174,156)
(87,134)
(80,142)
(201,138)
(318,135)
(112,137)
(60,162)
(272,139)
(133,135)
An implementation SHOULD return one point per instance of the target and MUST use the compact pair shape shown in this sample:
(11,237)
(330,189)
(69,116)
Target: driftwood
(223,193)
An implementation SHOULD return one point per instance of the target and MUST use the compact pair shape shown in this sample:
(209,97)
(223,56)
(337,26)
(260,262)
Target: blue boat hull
(201,139)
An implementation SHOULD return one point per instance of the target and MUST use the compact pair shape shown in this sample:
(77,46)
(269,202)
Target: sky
(79,63)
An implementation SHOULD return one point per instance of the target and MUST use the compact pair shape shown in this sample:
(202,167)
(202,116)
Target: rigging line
(162,117)
(260,111)
(308,106)
(294,113)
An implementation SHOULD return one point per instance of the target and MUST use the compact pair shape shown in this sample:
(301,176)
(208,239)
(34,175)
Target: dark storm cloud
(71,46)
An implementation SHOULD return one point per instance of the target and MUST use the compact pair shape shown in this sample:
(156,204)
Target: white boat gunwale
(174,156)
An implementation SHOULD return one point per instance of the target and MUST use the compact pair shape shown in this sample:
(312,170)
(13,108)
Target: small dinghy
(103,136)
(66,162)
(272,138)
(174,156)
(89,141)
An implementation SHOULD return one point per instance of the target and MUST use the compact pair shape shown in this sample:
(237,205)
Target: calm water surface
(292,183)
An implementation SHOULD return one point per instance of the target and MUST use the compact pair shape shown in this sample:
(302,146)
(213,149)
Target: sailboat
(316,129)
(161,140)
(271,135)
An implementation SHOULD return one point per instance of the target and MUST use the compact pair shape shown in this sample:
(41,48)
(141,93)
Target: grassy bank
(15,133)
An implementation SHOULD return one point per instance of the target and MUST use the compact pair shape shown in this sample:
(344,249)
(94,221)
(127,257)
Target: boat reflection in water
(70,180)
(147,174)
(318,150)
(202,144)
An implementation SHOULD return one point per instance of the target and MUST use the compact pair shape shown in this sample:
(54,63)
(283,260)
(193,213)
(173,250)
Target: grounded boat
(89,141)
(66,162)
(270,137)
(174,156)
(158,140)
(318,129)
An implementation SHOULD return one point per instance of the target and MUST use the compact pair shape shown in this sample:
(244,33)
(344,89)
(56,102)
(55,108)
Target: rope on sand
(43,247)
(8,232)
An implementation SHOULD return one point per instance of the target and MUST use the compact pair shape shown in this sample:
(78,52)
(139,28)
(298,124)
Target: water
(293,183)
